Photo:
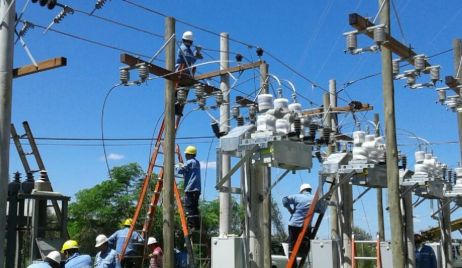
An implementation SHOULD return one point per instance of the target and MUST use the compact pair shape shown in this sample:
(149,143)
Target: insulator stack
(240,121)
(66,10)
(352,41)
(124,76)
(444,170)
(379,35)
(252,113)
(219,98)
(454,177)
(395,65)
(100,3)
(313,129)
(199,91)
(435,74)
(326,134)
(298,126)
(449,175)
(181,95)
(25,28)
(410,80)
(419,62)
(143,72)
(235,112)
(441,96)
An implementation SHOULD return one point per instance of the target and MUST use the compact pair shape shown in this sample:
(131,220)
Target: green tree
(102,208)
(364,250)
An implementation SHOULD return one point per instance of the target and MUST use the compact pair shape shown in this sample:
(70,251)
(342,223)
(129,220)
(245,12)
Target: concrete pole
(446,240)
(169,147)
(255,220)
(409,227)
(457,45)
(380,221)
(225,197)
(6,81)
(396,222)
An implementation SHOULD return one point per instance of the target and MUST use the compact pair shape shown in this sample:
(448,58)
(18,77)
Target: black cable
(112,139)
(102,127)
(89,41)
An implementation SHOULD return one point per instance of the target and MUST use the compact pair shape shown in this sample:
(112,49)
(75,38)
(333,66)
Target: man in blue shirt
(186,57)
(73,257)
(424,255)
(191,171)
(106,257)
(117,239)
(298,206)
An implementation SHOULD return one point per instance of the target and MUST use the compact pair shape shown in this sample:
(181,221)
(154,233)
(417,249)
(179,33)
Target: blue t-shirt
(107,259)
(39,265)
(192,175)
(117,239)
(185,56)
(299,204)
(425,257)
(78,261)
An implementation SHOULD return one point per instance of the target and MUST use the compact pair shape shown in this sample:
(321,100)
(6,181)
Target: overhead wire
(88,40)
(398,20)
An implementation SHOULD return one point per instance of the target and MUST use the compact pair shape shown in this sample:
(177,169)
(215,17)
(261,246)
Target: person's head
(152,242)
(69,248)
(418,239)
(190,152)
(101,242)
(305,188)
(128,222)
(54,259)
(188,38)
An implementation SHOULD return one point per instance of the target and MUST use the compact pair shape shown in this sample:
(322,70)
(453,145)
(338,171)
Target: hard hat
(190,150)
(152,240)
(54,256)
(100,239)
(69,244)
(128,222)
(188,35)
(305,186)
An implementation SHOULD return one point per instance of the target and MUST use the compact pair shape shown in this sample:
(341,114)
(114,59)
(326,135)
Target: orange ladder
(377,258)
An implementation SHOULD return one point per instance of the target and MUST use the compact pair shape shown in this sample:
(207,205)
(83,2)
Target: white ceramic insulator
(265,102)
(358,137)
(419,156)
(295,108)
(281,103)
(282,126)
(359,153)
(265,122)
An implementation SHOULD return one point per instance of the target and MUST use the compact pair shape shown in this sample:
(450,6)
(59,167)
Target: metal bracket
(408,189)
(245,158)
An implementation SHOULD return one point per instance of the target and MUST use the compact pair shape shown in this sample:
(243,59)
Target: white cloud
(114,156)
(209,165)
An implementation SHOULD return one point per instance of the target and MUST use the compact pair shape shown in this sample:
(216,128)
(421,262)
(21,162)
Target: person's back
(39,265)
(192,175)
(106,259)
(425,257)
(117,240)
(301,204)
(78,261)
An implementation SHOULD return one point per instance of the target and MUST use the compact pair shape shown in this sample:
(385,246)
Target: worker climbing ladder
(318,207)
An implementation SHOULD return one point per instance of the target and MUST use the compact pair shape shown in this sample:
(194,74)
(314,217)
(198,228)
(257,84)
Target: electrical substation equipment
(455,189)
(49,3)
(453,102)
(379,36)
(430,178)
(124,75)
(421,66)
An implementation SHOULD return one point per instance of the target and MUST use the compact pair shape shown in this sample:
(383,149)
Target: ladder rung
(159,166)
(366,242)
(365,258)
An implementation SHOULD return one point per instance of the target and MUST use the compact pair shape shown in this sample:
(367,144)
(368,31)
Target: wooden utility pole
(169,147)
(396,222)
(457,45)
(7,27)
(265,190)
(225,196)
(380,221)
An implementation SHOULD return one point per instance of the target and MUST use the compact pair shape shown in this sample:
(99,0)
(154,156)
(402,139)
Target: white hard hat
(152,240)
(188,35)
(54,256)
(305,186)
(100,239)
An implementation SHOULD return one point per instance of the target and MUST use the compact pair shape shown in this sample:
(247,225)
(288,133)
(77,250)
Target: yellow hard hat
(190,150)
(128,222)
(69,244)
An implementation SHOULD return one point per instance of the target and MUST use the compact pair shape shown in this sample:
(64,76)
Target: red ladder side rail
(379,253)
(306,225)
(353,251)
(144,189)
(153,203)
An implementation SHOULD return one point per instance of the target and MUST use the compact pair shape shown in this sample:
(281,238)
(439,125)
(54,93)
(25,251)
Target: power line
(88,40)
(112,139)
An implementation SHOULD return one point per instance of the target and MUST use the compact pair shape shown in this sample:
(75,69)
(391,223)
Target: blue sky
(306,35)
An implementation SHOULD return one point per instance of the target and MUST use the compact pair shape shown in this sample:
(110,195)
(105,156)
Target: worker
(106,257)
(191,172)
(116,241)
(298,206)
(186,57)
(53,260)
(73,257)
(424,255)
(155,255)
